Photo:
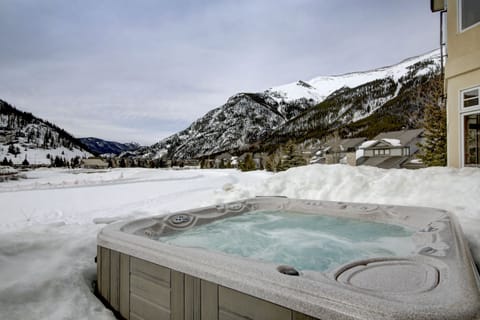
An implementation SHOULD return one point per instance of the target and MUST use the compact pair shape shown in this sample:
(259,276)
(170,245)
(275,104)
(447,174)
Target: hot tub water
(305,241)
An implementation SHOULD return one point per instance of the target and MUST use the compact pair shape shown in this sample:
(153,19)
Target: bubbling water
(305,241)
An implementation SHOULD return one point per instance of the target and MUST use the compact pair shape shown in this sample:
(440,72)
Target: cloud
(87,65)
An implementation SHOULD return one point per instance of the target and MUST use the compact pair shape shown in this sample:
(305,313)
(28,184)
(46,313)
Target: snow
(38,156)
(323,86)
(416,161)
(393,142)
(367,144)
(49,221)
(6,170)
(359,153)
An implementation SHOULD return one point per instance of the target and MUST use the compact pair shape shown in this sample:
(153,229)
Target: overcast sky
(142,70)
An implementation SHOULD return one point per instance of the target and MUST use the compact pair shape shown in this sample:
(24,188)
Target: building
(392,149)
(462,80)
(223,160)
(336,150)
(94,163)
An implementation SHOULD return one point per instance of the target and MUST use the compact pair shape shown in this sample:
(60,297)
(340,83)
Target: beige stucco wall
(462,71)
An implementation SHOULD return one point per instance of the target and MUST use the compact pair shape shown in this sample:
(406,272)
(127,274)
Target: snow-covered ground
(49,222)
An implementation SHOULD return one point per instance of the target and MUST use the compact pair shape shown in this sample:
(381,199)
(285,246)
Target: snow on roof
(367,144)
(405,136)
(393,142)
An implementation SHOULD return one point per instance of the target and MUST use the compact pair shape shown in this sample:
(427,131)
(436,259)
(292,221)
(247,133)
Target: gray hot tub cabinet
(146,279)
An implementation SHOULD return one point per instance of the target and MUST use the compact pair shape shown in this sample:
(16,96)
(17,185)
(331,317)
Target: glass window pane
(470,103)
(470,94)
(470,13)
(470,98)
(472,139)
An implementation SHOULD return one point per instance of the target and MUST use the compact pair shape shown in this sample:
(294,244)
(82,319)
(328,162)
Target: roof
(344,144)
(384,162)
(351,143)
(94,162)
(405,136)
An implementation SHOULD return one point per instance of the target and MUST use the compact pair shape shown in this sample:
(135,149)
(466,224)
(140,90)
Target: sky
(143,70)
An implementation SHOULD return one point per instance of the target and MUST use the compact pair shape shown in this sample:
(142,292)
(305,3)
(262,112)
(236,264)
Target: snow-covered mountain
(100,146)
(320,88)
(24,137)
(241,121)
(305,109)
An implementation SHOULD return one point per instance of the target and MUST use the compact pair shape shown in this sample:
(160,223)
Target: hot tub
(416,266)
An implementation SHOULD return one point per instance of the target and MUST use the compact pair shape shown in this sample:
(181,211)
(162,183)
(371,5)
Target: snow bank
(49,223)
(46,273)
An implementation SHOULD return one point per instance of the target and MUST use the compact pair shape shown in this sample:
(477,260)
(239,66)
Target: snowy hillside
(307,108)
(47,248)
(241,121)
(26,138)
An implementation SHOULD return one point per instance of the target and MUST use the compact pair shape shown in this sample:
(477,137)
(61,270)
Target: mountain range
(353,104)
(350,105)
(108,148)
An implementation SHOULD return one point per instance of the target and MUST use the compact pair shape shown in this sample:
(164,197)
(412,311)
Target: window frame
(463,112)
(462,100)
(460,22)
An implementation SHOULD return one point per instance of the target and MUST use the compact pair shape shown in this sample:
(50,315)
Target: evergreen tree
(11,149)
(248,164)
(222,164)
(434,146)
(291,157)
(273,161)
(5,161)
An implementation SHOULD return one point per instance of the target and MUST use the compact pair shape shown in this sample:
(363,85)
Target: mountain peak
(320,87)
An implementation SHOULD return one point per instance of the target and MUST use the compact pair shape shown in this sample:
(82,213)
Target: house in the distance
(392,149)
(337,151)
(94,163)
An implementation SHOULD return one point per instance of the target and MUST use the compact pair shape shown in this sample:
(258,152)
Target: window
(381,152)
(471,135)
(469,13)
(470,98)
(470,117)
